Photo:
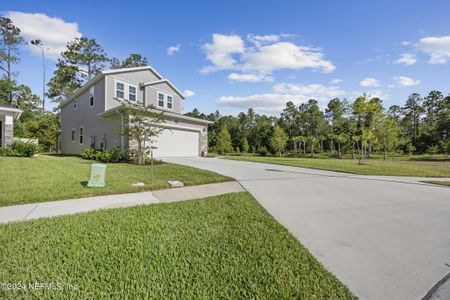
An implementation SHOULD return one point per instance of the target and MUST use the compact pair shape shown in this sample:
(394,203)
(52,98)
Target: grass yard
(438,168)
(48,178)
(223,247)
(445,183)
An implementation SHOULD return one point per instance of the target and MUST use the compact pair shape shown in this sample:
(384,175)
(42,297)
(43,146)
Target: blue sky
(231,55)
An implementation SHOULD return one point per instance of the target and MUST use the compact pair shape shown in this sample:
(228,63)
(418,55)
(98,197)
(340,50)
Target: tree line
(359,128)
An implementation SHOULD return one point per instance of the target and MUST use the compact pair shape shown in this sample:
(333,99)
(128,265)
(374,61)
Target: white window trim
(81,135)
(115,89)
(165,100)
(157,99)
(92,94)
(73,136)
(135,94)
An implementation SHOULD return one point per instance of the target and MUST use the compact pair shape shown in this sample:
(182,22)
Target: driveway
(384,237)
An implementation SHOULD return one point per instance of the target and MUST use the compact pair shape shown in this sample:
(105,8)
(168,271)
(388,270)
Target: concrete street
(384,237)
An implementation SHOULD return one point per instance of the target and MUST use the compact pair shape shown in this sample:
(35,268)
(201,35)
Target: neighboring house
(82,115)
(8,115)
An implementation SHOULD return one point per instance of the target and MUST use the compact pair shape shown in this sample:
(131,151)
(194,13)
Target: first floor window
(132,93)
(160,100)
(120,90)
(81,135)
(73,135)
(169,102)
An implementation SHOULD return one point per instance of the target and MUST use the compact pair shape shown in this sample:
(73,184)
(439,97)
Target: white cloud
(372,94)
(283,92)
(220,52)
(407,59)
(405,81)
(250,77)
(437,47)
(54,33)
(336,81)
(368,81)
(188,93)
(265,55)
(173,49)
(317,91)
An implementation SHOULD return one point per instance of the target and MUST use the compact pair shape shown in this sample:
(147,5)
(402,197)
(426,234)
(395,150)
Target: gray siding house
(83,125)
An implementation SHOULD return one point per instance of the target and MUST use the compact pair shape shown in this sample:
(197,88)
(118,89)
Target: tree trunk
(304,148)
(353,150)
(384,154)
(295,149)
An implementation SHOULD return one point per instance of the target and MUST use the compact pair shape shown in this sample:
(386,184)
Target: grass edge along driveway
(226,246)
(49,178)
(370,167)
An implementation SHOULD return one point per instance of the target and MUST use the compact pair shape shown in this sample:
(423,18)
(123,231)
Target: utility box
(98,173)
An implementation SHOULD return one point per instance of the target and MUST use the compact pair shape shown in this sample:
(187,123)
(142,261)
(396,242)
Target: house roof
(102,74)
(15,111)
(166,113)
(164,81)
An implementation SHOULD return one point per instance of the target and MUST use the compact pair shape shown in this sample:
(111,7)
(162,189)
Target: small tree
(278,140)
(141,125)
(223,142)
(388,132)
(245,146)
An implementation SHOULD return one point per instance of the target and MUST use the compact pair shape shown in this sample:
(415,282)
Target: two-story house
(83,123)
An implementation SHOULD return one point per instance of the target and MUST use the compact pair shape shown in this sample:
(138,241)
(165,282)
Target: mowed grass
(369,167)
(446,183)
(223,247)
(48,178)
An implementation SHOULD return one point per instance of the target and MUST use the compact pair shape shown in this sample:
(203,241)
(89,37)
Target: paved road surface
(384,237)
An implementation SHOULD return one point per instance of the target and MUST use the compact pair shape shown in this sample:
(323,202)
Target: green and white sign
(98,172)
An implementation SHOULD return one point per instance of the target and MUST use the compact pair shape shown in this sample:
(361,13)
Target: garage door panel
(174,142)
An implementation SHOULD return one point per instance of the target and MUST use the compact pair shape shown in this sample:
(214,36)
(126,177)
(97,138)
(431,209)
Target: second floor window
(120,90)
(160,100)
(91,97)
(169,102)
(73,135)
(132,93)
(75,104)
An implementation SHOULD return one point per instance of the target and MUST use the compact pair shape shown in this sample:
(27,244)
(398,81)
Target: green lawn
(47,178)
(397,167)
(224,247)
(446,183)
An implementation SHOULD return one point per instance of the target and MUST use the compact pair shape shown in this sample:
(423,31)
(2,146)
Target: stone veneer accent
(8,134)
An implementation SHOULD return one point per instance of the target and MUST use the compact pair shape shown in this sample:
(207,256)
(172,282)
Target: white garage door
(176,143)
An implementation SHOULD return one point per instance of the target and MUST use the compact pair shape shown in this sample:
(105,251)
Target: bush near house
(19,149)
(107,156)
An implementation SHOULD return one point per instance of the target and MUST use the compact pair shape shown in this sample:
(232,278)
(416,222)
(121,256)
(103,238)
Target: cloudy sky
(239,54)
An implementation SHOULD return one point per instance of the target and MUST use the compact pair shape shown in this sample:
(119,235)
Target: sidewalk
(71,206)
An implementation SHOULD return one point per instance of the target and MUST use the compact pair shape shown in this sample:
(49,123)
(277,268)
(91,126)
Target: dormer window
(120,90)
(132,93)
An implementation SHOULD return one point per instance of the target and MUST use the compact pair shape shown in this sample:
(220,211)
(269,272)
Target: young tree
(142,125)
(278,139)
(10,40)
(223,142)
(413,110)
(245,146)
(388,133)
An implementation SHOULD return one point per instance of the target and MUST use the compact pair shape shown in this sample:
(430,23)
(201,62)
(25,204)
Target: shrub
(262,151)
(432,149)
(21,149)
(148,161)
(88,153)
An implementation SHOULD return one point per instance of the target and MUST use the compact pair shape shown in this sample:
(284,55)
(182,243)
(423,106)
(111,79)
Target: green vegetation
(446,183)
(224,247)
(48,178)
(370,167)
(19,149)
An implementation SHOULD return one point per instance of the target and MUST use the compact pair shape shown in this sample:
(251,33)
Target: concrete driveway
(384,237)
